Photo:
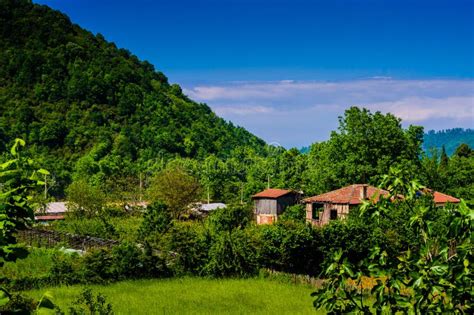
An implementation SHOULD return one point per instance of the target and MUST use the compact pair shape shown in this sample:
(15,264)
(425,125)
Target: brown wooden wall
(325,215)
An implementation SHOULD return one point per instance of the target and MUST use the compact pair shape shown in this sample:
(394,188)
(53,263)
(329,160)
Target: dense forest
(449,138)
(91,112)
(74,96)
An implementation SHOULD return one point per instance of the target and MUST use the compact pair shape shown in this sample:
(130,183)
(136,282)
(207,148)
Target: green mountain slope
(70,93)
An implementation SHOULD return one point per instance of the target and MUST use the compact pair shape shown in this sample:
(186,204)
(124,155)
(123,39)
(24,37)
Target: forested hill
(449,138)
(69,93)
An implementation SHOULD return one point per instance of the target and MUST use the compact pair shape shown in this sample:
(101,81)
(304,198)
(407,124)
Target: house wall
(325,215)
(265,206)
(267,210)
(285,201)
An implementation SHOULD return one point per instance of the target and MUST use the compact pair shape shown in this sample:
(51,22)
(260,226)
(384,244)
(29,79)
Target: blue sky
(286,70)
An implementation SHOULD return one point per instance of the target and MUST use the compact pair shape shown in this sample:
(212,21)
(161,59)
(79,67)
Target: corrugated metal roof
(211,206)
(56,207)
(348,195)
(272,193)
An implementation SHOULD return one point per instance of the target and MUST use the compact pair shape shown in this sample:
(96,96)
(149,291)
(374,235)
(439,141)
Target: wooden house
(336,204)
(271,203)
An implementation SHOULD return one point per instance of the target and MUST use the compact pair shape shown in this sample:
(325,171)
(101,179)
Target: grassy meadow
(196,296)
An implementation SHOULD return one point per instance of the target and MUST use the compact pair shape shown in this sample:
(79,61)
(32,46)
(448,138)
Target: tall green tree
(176,189)
(363,149)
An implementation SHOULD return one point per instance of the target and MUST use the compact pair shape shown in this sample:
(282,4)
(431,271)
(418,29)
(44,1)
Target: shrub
(355,238)
(157,220)
(87,303)
(295,213)
(186,247)
(227,219)
(232,254)
(97,266)
(290,247)
(64,269)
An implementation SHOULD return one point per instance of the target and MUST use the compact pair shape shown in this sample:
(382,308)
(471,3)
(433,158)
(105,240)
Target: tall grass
(37,264)
(126,227)
(196,296)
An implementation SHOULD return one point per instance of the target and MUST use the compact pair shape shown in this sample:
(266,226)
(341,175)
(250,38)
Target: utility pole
(141,187)
(45,186)
(241,193)
(268,181)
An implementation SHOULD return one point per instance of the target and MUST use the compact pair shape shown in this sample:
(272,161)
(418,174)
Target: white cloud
(241,110)
(419,109)
(296,113)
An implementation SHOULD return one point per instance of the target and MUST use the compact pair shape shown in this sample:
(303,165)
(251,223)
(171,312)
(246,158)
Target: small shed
(270,203)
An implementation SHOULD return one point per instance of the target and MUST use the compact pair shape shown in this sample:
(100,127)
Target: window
(333,214)
(317,208)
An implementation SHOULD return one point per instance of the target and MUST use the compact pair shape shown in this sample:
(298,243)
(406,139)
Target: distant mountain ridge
(449,138)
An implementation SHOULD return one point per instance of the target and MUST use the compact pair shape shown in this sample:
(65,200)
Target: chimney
(363,192)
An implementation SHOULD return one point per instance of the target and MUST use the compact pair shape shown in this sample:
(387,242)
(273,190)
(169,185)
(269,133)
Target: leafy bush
(15,303)
(157,220)
(65,269)
(227,219)
(291,247)
(296,213)
(97,266)
(123,228)
(185,247)
(87,303)
(432,276)
(232,254)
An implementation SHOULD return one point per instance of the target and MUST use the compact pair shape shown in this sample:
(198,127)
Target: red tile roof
(272,193)
(347,195)
(440,198)
(351,195)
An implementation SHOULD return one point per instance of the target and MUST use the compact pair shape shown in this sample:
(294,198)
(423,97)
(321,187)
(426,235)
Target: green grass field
(196,296)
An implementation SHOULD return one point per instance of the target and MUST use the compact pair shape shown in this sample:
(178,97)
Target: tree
(365,146)
(463,151)
(176,189)
(85,199)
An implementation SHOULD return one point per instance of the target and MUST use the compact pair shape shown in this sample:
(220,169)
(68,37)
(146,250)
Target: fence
(46,238)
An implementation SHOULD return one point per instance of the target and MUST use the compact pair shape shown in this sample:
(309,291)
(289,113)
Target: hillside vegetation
(70,93)
(96,116)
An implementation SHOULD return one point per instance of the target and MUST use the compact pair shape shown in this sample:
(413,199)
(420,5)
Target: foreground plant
(433,276)
(18,179)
